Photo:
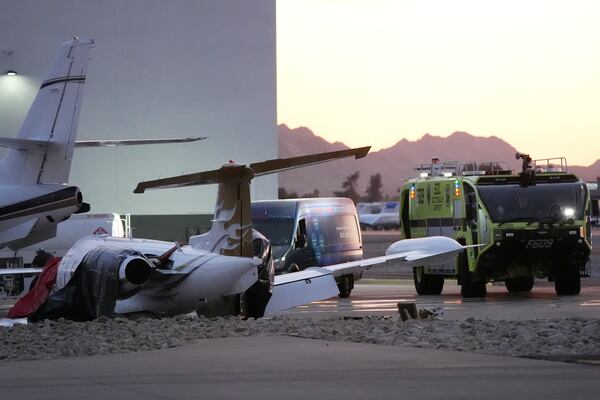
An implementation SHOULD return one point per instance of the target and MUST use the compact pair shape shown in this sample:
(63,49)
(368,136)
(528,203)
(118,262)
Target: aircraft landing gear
(254,300)
(345,285)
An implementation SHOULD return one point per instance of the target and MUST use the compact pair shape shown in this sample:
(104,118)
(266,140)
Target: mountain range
(395,163)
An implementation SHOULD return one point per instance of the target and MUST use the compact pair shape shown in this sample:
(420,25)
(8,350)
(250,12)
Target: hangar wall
(159,69)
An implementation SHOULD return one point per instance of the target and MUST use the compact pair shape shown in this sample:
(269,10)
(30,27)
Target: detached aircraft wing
(133,142)
(314,284)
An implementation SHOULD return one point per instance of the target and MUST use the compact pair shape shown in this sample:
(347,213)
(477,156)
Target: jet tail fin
(43,149)
(231,231)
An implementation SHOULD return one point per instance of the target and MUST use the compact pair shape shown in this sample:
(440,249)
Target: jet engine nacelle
(69,201)
(133,272)
(35,211)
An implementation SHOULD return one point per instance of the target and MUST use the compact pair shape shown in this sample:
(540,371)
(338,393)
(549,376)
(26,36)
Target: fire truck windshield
(552,202)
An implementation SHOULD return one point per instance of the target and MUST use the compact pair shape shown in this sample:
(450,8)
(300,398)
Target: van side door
(302,255)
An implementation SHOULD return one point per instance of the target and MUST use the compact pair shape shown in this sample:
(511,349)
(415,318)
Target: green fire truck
(519,226)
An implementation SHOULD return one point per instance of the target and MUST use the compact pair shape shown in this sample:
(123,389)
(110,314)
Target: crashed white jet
(34,196)
(227,271)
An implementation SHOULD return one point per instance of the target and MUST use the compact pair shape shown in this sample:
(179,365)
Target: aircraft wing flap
(297,288)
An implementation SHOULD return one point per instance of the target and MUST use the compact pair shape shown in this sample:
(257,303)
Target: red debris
(27,304)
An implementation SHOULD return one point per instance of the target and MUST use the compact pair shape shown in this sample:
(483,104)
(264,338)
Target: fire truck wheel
(469,287)
(567,281)
(522,284)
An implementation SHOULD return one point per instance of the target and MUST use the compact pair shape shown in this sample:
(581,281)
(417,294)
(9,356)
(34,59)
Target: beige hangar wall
(160,69)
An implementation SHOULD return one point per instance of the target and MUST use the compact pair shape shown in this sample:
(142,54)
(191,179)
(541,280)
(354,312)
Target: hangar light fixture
(11,72)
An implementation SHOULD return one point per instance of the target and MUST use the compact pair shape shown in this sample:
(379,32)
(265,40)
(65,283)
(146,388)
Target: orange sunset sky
(377,71)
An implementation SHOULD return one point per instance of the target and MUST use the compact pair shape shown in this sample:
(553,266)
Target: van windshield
(329,230)
(279,231)
(549,201)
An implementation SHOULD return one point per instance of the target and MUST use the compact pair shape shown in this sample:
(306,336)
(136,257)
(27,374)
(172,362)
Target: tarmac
(283,367)
(270,367)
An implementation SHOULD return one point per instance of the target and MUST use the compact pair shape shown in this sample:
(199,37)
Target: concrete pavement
(293,368)
(381,298)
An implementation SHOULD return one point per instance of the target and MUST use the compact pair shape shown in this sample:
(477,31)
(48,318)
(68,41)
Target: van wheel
(516,285)
(567,281)
(469,287)
(427,284)
(345,286)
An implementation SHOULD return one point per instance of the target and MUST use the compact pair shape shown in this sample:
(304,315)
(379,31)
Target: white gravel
(535,338)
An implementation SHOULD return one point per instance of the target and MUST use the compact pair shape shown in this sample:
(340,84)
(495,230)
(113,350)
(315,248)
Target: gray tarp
(92,290)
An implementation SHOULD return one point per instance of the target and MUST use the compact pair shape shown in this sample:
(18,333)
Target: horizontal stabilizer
(225,173)
(134,142)
(284,164)
(32,144)
(235,172)
(19,271)
(22,144)
(291,290)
